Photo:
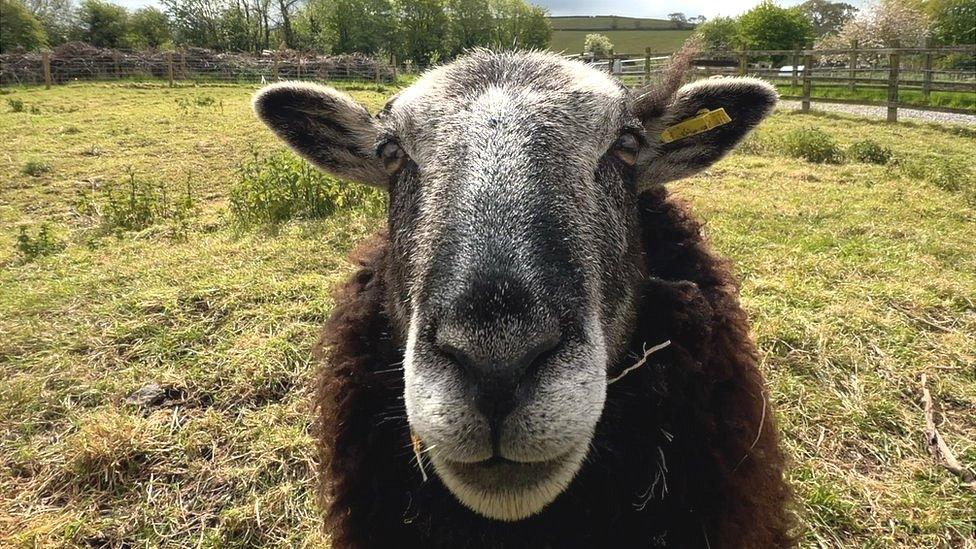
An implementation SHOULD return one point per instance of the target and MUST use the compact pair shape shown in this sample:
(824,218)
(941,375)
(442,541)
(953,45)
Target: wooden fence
(802,73)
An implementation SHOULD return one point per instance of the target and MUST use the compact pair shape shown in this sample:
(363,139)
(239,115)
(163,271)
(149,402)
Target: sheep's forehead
(536,96)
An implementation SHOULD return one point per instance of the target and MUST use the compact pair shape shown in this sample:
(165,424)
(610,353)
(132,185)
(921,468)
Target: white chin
(510,491)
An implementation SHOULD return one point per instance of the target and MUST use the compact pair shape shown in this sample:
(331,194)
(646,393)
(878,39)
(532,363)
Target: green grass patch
(624,41)
(35,168)
(857,278)
(869,151)
(813,145)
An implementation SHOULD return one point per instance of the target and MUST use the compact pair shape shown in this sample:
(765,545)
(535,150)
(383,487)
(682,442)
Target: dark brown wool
(685,455)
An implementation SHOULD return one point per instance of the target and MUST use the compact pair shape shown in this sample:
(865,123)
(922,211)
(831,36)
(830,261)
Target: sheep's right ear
(326,127)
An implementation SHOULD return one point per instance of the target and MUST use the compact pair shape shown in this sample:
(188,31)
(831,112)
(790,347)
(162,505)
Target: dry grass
(858,278)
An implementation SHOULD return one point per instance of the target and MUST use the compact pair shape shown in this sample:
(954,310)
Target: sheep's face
(513,182)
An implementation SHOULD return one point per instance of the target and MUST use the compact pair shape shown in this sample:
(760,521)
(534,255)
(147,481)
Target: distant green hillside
(624,41)
(607,22)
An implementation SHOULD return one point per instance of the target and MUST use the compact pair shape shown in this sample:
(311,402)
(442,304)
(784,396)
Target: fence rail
(804,72)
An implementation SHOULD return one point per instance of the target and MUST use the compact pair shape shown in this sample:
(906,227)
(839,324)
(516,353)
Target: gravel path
(882,112)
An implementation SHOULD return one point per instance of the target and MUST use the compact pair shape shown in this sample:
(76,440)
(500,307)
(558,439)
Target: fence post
(182,64)
(610,63)
(807,67)
(796,61)
(743,62)
(274,65)
(647,65)
(46,63)
(393,62)
(927,70)
(376,70)
(169,67)
(852,85)
(893,65)
(115,60)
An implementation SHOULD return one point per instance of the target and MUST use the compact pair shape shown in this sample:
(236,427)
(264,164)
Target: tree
(18,28)
(597,45)
(311,30)
(56,16)
(365,26)
(770,27)
(678,19)
(285,9)
(149,27)
(423,30)
(103,24)
(721,33)
(880,25)
(827,17)
(470,24)
(953,21)
(697,20)
(519,26)
(536,29)
(202,23)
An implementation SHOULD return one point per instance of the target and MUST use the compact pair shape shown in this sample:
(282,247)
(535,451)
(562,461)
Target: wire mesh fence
(80,62)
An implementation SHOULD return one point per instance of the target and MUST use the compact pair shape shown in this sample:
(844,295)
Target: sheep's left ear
(680,146)
(325,126)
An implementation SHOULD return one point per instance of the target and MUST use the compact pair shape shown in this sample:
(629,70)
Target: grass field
(957,100)
(607,22)
(858,278)
(624,41)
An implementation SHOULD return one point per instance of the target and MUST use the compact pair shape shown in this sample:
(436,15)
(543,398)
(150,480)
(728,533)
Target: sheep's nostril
(495,372)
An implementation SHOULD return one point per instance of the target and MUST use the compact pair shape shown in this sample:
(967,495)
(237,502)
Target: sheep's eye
(392,156)
(626,148)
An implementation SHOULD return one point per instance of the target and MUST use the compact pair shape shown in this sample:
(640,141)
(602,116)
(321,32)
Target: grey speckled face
(512,221)
(513,182)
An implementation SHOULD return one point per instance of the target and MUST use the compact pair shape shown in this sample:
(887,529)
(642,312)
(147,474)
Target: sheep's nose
(497,374)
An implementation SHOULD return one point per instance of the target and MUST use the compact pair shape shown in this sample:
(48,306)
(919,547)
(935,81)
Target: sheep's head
(515,253)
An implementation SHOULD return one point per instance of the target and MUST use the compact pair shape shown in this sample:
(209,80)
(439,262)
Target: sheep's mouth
(503,465)
(508,490)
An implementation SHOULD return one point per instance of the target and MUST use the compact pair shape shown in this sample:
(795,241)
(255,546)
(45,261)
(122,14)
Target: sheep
(479,386)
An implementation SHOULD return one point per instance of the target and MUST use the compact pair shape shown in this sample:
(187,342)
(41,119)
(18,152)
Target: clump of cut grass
(15,104)
(108,450)
(813,145)
(35,168)
(92,150)
(869,151)
(278,188)
(947,173)
(41,244)
(756,143)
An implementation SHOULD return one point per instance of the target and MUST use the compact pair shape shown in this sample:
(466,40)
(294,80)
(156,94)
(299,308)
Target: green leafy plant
(281,187)
(137,204)
(41,244)
(812,145)
(869,152)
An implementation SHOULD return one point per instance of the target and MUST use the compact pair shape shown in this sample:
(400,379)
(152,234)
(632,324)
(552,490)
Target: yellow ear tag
(706,120)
